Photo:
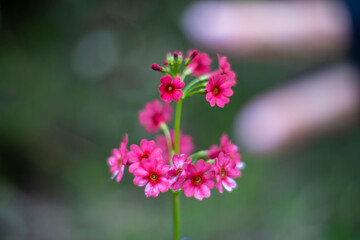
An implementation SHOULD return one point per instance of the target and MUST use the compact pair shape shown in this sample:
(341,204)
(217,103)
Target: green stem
(201,85)
(177,126)
(166,131)
(192,83)
(211,161)
(176,215)
(176,195)
(193,93)
(184,75)
(199,154)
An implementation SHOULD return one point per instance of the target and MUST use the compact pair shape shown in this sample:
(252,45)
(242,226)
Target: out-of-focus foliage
(73,75)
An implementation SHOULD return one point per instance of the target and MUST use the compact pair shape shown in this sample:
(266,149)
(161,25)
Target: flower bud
(176,54)
(193,54)
(156,67)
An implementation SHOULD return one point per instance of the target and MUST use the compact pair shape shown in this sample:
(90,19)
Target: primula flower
(228,148)
(169,88)
(186,145)
(200,64)
(225,169)
(154,114)
(218,90)
(118,160)
(177,171)
(224,69)
(146,150)
(154,174)
(199,180)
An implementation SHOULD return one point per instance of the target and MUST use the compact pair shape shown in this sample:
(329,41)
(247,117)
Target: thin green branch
(194,82)
(199,154)
(166,131)
(176,215)
(193,93)
(177,126)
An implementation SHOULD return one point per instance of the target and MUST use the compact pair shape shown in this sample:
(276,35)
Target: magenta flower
(177,171)
(153,173)
(118,160)
(199,180)
(169,88)
(218,90)
(186,144)
(225,169)
(228,148)
(200,64)
(154,114)
(224,70)
(146,150)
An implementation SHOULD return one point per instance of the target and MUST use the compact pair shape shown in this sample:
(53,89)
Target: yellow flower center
(216,90)
(197,180)
(154,177)
(222,172)
(145,155)
(170,88)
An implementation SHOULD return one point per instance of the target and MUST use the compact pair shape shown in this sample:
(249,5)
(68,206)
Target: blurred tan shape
(268,28)
(324,101)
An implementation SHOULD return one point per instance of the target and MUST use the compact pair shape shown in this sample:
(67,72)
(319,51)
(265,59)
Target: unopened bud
(176,54)
(193,54)
(156,67)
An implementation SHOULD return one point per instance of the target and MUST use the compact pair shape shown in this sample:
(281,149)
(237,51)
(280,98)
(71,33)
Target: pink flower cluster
(147,162)
(154,114)
(218,83)
(159,165)
(186,144)
(228,148)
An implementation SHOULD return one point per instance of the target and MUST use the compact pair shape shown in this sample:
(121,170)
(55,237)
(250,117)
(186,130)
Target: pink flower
(169,88)
(224,69)
(118,160)
(225,170)
(154,114)
(153,173)
(146,150)
(218,90)
(186,144)
(199,180)
(200,64)
(177,171)
(228,148)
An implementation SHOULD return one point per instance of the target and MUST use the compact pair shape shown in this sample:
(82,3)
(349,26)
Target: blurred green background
(74,74)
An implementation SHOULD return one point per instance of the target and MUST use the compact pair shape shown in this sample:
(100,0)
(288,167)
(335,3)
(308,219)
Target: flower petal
(152,190)
(148,164)
(121,173)
(198,193)
(229,184)
(233,173)
(189,191)
(177,94)
(166,79)
(200,166)
(166,97)
(205,190)
(178,84)
(134,166)
(190,170)
(140,181)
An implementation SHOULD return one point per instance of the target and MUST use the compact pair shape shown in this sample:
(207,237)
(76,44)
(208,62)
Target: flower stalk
(177,126)
(169,164)
(176,215)
(166,131)
(176,195)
